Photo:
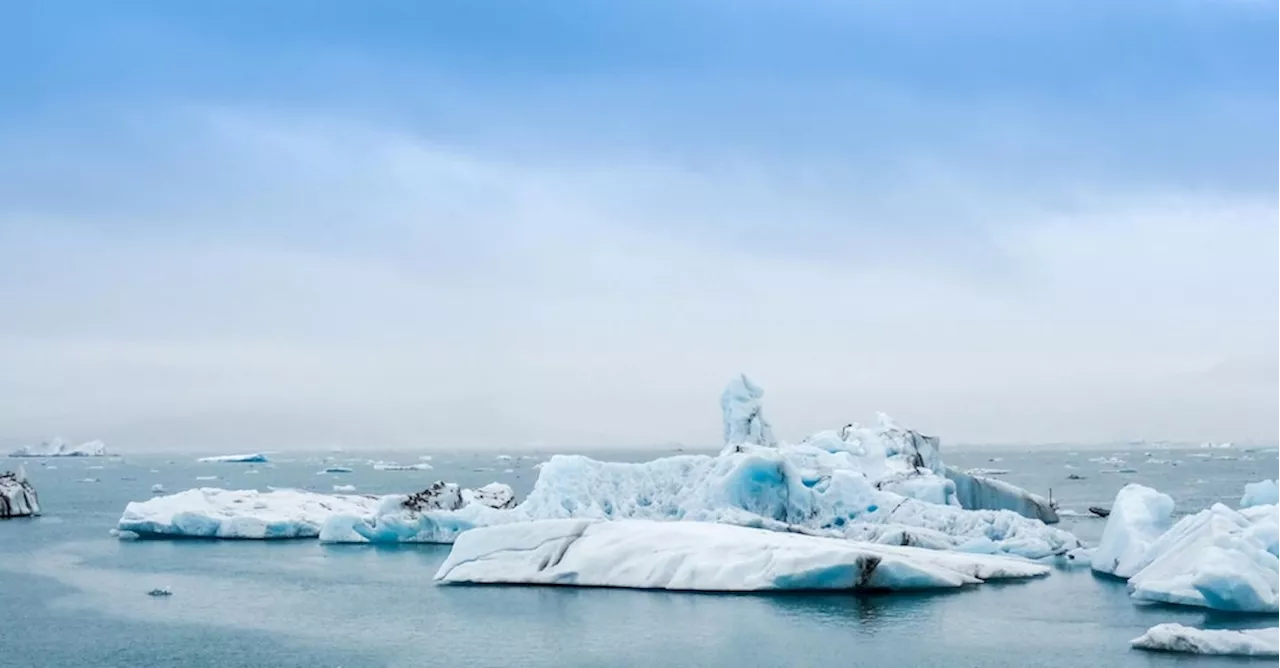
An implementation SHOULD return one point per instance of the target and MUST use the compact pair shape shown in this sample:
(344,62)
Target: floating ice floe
(979,471)
(17,497)
(1187,639)
(252,458)
(644,554)
(206,477)
(1219,558)
(60,447)
(336,469)
(157,489)
(249,514)
(1109,461)
(392,466)
(344,488)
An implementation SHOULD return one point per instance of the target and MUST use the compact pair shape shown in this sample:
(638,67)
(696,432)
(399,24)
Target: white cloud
(296,282)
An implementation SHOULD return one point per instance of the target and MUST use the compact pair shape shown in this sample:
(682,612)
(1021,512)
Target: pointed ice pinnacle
(743,418)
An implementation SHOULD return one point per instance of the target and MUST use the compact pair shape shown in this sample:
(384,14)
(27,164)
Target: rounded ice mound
(1138,517)
(1261,493)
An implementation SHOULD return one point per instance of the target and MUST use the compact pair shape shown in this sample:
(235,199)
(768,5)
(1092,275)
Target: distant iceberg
(17,497)
(1218,558)
(1187,639)
(254,458)
(685,556)
(244,514)
(392,466)
(60,447)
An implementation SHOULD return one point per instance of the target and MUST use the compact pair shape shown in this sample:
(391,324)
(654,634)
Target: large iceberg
(252,458)
(17,496)
(60,447)
(1179,638)
(1218,558)
(249,514)
(881,484)
(1138,517)
(688,556)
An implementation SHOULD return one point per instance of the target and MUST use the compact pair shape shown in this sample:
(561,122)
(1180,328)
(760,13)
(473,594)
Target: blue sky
(481,224)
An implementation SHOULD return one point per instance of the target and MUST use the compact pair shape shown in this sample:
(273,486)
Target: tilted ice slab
(1139,516)
(59,447)
(1218,558)
(977,491)
(253,458)
(690,556)
(1179,638)
(17,497)
(248,514)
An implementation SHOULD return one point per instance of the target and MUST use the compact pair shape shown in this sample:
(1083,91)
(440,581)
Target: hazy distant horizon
(486,225)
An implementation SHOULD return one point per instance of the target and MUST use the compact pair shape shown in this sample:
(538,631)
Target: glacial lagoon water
(76,596)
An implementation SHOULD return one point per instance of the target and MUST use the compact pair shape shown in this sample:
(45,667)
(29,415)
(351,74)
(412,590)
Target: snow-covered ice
(1191,640)
(251,458)
(17,497)
(1138,517)
(222,513)
(1260,494)
(685,556)
(60,447)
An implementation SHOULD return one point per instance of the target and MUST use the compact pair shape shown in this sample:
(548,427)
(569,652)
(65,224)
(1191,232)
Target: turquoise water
(75,596)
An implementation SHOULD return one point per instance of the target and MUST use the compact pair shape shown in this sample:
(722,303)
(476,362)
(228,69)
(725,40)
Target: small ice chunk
(1260,494)
(1227,642)
(392,466)
(253,458)
(160,591)
(344,488)
(157,489)
(336,469)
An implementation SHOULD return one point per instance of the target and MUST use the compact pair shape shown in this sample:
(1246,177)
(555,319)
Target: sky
(477,224)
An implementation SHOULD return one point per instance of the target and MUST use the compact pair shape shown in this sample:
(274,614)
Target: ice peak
(743,416)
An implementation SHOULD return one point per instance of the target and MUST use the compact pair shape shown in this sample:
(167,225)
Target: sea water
(73,595)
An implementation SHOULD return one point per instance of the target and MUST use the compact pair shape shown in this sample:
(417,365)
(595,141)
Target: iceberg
(881,484)
(245,514)
(392,466)
(17,497)
(59,447)
(1179,638)
(1260,494)
(1138,517)
(344,488)
(1218,558)
(157,489)
(254,458)
(437,514)
(683,556)
(336,469)
(743,417)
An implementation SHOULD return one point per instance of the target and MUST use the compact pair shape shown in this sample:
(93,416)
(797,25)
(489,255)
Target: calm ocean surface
(75,596)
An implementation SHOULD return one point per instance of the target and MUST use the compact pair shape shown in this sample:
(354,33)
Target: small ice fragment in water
(160,591)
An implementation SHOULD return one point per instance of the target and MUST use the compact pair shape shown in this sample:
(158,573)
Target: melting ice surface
(645,554)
